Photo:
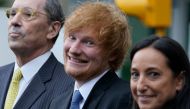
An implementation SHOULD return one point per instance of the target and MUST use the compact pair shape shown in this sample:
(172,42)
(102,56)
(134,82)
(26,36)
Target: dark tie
(77,97)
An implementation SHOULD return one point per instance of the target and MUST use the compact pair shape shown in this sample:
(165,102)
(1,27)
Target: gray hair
(55,12)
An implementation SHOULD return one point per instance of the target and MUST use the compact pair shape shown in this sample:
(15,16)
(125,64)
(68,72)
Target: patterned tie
(13,89)
(77,97)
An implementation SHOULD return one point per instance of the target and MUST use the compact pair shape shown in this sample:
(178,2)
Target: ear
(180,81)
(111,56)
(111,59)
(54,29)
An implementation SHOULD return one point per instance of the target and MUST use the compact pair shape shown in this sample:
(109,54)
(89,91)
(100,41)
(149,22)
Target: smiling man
(36,76)
(95,45)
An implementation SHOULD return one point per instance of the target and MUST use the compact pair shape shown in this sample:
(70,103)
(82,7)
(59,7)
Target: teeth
(78,60)
(75,60)
(145,96)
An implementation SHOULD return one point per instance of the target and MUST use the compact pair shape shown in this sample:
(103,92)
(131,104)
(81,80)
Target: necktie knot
(17,76)
(76,99)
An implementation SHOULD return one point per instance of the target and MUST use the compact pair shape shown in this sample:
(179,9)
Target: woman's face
(152,82)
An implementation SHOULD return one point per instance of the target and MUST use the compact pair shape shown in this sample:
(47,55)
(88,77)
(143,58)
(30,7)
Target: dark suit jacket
(48,83)
(109,92)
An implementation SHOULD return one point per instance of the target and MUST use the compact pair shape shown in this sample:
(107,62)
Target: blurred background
(146,17)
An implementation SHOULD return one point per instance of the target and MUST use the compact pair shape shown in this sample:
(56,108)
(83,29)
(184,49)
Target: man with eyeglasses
(33,27)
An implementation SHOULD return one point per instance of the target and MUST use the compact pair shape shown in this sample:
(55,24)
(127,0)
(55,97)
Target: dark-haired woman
(160,75)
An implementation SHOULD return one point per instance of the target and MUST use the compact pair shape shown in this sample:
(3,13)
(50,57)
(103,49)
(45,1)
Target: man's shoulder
(7,66)
(122,86)
(112,94)
(112,81)
(121,82)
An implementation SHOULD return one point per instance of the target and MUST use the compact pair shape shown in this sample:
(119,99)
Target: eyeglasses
(26,14)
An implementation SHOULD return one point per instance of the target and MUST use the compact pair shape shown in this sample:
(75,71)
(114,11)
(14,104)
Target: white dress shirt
(86,88)
(28,71)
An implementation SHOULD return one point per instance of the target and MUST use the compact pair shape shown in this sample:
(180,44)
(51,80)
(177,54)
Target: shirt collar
(86,88)
(32,67)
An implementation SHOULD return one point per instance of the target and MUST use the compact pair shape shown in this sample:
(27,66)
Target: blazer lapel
(99,89)
(37,85)
(67,99)
(30,95)
(5,78)
(93,99)
(63,101)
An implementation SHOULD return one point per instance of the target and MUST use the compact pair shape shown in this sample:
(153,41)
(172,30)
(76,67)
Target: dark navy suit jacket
(110,92)
(50,82)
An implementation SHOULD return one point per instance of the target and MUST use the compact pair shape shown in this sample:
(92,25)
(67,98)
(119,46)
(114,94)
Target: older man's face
(28,33)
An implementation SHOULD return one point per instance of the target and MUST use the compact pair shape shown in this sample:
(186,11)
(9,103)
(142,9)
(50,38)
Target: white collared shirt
(86,88)
(29,70)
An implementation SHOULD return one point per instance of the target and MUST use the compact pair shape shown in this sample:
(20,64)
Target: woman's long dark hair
(178,62)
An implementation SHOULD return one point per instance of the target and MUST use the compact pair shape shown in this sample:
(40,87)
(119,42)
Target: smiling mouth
(77,60)
(145,98)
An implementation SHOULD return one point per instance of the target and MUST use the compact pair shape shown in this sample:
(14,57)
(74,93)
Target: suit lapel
(37,85)
(30,95)
(99,89)
(68,99)
(63,101)
(93,99)
(5,78)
